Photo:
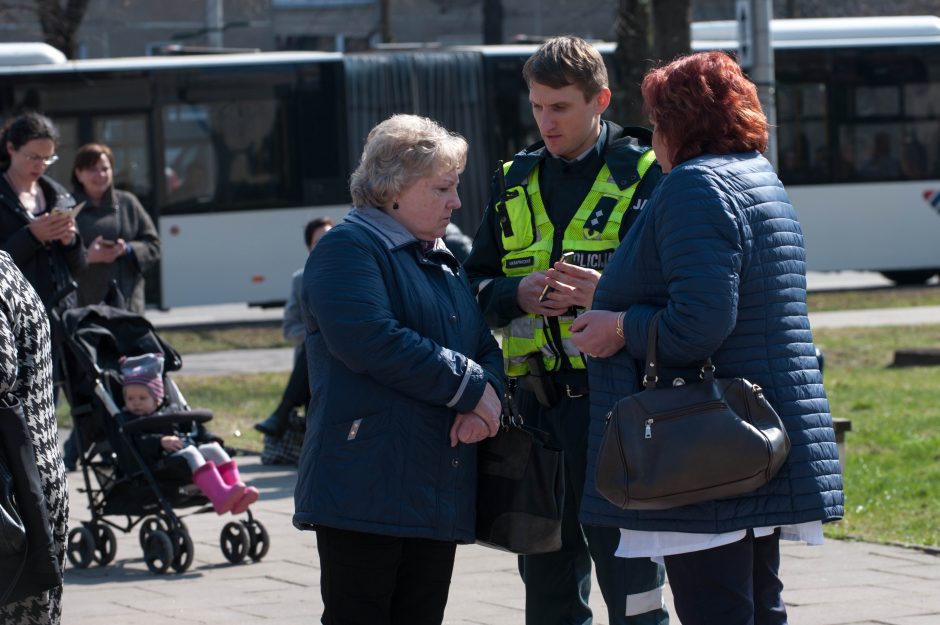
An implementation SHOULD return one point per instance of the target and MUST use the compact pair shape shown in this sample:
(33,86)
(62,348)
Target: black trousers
(736,584)
(297,392)
(371,579)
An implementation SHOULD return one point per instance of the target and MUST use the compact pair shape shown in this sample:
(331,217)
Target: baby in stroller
(214,472)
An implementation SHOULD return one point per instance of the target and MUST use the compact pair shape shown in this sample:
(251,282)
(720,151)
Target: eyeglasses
(45,160)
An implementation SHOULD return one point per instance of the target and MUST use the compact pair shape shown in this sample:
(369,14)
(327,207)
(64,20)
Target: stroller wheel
(260,542)
(149,526)
(158,554)
(182,549)
(81,547)
(235,542)
(105,544)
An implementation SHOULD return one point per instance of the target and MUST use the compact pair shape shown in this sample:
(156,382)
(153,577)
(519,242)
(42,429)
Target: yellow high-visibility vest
(592,234)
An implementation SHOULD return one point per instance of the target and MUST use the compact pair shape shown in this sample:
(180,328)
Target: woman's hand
(595,333)
(490,409)
(571,285)
(102,250)
(171,443)
(52,226)
(468,428)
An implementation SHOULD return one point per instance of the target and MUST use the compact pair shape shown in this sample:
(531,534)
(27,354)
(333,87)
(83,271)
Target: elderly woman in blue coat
(719,250)
(405,377)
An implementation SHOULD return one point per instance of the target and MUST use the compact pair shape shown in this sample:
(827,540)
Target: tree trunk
(648,32)
(634,47)
(59,24)
(672,21)
(492,22)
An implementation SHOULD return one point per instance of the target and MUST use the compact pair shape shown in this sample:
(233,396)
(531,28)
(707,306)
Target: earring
(395,206)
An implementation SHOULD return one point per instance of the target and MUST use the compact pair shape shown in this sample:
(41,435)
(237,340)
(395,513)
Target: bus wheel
(910,278)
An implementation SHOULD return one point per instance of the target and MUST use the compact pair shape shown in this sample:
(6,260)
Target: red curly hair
(703,103)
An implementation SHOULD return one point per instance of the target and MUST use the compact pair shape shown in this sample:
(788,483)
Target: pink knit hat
(146,370)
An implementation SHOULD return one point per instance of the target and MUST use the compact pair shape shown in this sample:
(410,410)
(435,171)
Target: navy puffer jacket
(396,347)
(720,249)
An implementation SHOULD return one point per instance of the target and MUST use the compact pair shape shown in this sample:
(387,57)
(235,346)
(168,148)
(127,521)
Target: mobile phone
(565,258)
(70,212)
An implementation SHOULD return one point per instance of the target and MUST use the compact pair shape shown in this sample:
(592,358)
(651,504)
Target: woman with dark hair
(718,254)
(36,228)
(123,242)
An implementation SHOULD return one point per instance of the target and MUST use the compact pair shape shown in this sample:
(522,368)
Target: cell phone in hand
(69,212)
(565,258)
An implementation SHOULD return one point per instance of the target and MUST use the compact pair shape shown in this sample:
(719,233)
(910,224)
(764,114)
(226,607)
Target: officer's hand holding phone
(570,284)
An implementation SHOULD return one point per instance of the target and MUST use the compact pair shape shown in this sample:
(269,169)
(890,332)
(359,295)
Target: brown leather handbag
(689,443)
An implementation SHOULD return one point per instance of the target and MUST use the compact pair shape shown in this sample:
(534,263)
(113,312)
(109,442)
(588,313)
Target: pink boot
(222,495)
(251,495)
(229,472)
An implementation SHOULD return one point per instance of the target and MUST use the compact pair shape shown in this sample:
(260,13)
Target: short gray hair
(399,151)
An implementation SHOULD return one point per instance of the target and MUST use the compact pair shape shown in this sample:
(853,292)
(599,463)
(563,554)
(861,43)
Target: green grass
(237,403)
(821,301)
(892,472)
(221,339)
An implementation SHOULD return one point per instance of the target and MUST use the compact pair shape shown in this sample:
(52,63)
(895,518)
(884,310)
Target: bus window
(920,149)
(877,101)
(802,133)
(126,135)
(877,150)
(238,142)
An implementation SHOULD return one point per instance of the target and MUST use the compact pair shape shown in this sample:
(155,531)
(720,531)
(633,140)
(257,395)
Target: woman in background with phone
(35,227)
(123,242)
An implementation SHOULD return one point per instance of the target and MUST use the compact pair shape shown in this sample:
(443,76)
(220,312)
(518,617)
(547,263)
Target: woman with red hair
(717,253)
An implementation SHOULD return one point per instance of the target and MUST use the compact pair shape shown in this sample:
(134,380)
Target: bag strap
(650,377)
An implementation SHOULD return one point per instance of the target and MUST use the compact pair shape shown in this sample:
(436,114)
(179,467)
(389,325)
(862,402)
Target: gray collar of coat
(390,231)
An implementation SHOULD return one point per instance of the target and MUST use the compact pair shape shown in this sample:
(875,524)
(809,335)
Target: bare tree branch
(59,24)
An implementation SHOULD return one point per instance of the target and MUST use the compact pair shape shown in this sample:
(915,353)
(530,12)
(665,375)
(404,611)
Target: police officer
(574,193)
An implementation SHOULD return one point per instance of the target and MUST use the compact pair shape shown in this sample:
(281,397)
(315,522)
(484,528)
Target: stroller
(117,479)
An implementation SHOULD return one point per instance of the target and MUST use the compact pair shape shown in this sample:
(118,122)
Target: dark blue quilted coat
(719,247)
(396,347)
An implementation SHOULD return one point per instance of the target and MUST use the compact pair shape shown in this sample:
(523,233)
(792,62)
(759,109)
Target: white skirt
(656,545)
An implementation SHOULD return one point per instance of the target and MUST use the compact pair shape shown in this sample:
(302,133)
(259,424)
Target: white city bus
(232,154)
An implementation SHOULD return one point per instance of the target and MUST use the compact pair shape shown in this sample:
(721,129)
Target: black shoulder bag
(520,489)
(28,563)
(686,444)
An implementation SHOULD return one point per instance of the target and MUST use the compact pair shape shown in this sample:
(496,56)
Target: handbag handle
(650,378)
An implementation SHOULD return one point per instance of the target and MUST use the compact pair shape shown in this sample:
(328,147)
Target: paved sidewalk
(840,583)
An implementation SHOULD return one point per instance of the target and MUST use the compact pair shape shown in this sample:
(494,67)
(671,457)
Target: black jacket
(48,267)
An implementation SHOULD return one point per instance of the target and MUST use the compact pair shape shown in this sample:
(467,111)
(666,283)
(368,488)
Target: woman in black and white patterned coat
(26,373)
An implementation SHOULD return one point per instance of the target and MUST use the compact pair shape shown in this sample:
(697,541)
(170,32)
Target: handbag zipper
(662,416)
